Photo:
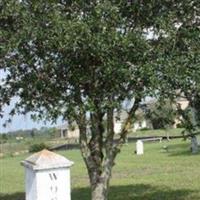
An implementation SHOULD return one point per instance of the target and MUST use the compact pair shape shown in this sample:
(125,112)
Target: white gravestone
(47,176)
(139,147)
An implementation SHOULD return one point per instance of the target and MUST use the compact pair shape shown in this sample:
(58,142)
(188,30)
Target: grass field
(13,146)
(159,132)
(157,175)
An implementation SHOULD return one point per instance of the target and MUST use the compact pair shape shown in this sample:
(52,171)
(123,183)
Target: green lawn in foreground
(157,175)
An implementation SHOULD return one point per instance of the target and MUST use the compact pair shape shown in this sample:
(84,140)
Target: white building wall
(30,179)
(53,184)
(73,133)
(140,125)
(47,176)
(117,127)
(136,126)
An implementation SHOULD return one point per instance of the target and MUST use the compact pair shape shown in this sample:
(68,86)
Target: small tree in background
(162,114)
(32,133)
(190,123)
(3,138)
(52,132)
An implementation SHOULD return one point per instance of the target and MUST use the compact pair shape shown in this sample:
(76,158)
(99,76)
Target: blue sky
(22,122)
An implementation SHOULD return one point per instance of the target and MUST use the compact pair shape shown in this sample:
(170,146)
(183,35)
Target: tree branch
(127,124)
(110,130)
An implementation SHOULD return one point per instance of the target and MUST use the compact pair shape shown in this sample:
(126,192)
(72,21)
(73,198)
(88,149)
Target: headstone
(139,147)
(47,176)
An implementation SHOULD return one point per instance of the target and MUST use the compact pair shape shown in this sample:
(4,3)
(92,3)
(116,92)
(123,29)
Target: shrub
(162,114)
(145,129)
(38,147)
(180,125)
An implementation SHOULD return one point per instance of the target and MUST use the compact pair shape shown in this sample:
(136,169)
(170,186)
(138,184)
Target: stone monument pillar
(47,176)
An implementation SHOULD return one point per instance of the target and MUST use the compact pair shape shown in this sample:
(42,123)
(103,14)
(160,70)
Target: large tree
(184,61)
(82,59)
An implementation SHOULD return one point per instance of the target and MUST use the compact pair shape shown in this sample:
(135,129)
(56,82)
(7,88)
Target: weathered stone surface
(47,176)
(46,160)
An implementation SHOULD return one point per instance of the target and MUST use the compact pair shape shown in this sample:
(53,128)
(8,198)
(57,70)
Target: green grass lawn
(12,145)
(159,132)
(157,175)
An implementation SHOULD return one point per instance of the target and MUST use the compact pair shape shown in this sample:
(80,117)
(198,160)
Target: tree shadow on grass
(126,192)
(180,150)
(183,153)
(14,196)
(139,192)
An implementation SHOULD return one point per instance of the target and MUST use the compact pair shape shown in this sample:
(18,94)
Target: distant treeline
(30,132)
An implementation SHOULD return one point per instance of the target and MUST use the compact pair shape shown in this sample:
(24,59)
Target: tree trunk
(99,166)
(100,191)
(100,182)
(194,145)
(99,150)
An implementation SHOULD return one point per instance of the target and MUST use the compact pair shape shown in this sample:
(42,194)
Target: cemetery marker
(47,176)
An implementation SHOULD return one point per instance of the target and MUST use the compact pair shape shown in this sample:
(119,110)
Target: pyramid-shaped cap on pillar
(46,160)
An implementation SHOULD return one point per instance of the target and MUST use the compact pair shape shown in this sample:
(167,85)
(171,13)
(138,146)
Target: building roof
(46,160)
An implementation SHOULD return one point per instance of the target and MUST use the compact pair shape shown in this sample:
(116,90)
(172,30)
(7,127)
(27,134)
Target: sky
(22,122)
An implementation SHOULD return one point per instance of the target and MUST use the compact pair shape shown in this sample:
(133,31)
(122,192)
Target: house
(140,121)
(67,131)
(183,103)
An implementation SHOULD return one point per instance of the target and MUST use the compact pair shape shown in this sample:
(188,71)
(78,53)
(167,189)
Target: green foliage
(180,125)
(52,132)
(188,120)
(162,114)
(38,147)
(3,138)
(62,57)
(196,110)
(32,134)
(43,132)
(58,53)
(144,129)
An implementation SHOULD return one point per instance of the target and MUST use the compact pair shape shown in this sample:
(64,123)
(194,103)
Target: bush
(38,147)
(144,129)
(162,114)
(181,125)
